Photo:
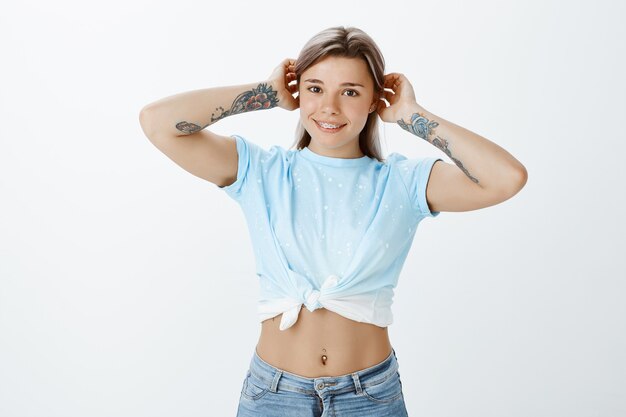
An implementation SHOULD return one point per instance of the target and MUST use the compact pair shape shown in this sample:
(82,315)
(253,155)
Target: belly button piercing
(324,357)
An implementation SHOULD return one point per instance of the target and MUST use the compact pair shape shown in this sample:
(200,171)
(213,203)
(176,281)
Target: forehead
(337,70)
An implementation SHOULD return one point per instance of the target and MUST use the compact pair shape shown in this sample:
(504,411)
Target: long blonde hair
(348,42)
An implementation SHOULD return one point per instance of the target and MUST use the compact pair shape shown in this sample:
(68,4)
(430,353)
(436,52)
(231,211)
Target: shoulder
(255,164)
(415,173)
(402,163)
(261,153)
(398,162)
(394,158)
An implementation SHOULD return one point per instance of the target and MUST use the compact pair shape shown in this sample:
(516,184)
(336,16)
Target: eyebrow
(314,80)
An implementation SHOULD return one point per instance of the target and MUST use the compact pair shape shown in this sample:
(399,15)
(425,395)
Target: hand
(400,99)
(279,80)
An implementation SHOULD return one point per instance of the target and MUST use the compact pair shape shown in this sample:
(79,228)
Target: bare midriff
(322,343)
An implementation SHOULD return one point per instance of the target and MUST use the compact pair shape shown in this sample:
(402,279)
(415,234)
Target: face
(324,98)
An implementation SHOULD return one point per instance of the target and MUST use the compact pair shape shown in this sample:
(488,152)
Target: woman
(331,221)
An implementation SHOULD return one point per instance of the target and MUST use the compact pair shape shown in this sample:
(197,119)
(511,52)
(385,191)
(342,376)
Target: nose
(329,104)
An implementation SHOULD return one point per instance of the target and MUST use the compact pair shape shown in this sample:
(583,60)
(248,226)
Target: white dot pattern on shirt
(334,214)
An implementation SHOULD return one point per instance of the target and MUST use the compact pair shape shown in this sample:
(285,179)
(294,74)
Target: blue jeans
(272,392)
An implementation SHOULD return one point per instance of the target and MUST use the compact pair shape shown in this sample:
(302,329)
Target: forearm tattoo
(424,128)
(260,98)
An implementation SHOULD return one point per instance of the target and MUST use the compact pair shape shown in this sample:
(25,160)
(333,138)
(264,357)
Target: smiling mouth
(328,126)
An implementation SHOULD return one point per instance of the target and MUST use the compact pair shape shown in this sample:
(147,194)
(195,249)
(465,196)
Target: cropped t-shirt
(329,232)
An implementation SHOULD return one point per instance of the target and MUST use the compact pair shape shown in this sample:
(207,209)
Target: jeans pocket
(385,391)
(253,387)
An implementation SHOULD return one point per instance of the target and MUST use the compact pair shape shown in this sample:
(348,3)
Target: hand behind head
(279,79)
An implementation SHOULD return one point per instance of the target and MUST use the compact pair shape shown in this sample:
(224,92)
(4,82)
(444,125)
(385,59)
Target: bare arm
(483,174)
(176,124)
(486,164)
(186,113)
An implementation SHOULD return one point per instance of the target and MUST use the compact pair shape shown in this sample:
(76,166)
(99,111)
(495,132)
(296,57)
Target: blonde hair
(348,42)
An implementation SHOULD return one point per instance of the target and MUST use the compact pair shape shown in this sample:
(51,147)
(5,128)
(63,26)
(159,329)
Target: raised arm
(190,112)
(483,173)
(176,124)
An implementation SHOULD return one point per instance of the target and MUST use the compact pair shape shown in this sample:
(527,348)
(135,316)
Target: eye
(352,95)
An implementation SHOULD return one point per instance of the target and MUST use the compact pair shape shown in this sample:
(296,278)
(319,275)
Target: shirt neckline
(306,153)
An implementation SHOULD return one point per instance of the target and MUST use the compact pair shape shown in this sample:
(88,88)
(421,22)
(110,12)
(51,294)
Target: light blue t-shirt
(329,232)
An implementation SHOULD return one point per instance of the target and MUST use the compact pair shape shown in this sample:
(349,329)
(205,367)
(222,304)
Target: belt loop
(357,383)
(277,375)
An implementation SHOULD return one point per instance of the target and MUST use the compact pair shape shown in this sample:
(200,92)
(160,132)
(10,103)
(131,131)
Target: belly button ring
(324,357)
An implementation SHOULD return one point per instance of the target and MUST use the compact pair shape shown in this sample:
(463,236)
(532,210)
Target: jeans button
(320,385)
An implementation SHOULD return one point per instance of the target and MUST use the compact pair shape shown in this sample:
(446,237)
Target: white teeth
(327,126)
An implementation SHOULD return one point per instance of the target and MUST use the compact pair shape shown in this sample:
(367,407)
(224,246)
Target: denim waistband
(276,379)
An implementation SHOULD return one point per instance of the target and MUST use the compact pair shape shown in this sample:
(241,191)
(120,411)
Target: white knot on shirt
(312,302)
(312,299)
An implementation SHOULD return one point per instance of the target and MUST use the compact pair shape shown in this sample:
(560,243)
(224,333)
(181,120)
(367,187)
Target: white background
(128,286)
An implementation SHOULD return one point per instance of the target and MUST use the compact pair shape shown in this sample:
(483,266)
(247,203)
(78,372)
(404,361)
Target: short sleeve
(415,174)
(249,157)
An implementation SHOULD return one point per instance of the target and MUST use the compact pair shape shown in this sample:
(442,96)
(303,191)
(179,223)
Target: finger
(389,78)
(392,80)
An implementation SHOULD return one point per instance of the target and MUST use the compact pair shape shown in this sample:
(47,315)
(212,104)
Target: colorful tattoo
(424,128)
(260,98)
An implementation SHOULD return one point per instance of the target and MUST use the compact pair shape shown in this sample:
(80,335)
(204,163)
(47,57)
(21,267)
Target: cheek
(357,107)
(357,112)
(306,107)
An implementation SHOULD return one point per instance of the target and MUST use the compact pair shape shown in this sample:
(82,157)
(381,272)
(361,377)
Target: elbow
(145,122)
(144,114)
(510,184)
(517,181)
(521,177)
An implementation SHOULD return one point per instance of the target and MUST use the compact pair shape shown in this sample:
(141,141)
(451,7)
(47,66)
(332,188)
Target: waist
(322,343)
